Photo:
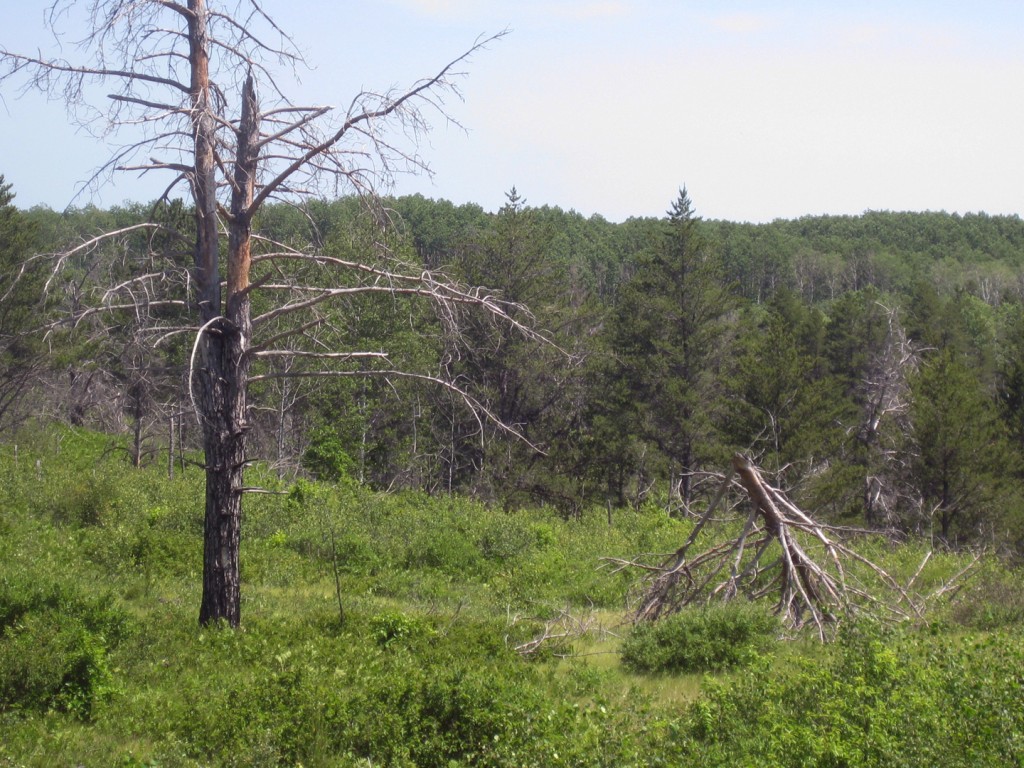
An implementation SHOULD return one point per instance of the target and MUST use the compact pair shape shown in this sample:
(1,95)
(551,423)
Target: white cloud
(592,9)
(444,8)
(743,23)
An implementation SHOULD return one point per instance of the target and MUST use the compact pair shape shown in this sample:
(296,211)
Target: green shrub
(51,661)
(325,458)
(877,698)
(389,628)
(507,537)
(992,599)
(25,594)
(88,500)
(54,641)
(707,639)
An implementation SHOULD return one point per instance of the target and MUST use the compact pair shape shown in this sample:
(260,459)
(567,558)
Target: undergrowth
(711,638)
(102,662)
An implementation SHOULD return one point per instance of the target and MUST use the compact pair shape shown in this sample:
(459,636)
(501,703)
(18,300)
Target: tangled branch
(814,578)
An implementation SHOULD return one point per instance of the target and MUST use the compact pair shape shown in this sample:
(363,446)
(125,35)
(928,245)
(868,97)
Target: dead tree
(885,397)
(196,87)
(814,578)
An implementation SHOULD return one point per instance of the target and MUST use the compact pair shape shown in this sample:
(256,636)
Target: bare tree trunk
(223,406)
(137,412)
(282,422)
(181,442)
(224,377)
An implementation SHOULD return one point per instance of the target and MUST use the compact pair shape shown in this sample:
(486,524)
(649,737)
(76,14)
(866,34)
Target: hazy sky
(762,109)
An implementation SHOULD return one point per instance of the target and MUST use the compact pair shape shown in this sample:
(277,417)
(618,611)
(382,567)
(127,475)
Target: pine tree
(961,454)
(20,291)
(667,341)
(786,408)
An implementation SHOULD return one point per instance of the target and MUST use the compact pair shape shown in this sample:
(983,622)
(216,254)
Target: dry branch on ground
(782,554)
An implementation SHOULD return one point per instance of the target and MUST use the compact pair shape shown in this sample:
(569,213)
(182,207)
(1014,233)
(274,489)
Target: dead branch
(816,579)
(558,631)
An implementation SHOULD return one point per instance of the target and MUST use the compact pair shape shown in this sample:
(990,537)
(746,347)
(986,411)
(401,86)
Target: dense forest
(872,365)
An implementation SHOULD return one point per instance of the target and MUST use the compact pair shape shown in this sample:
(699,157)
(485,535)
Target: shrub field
(381,630)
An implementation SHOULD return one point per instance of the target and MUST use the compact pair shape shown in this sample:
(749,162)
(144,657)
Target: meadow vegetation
(408,659)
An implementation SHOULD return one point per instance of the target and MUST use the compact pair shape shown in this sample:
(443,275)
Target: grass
(106,560)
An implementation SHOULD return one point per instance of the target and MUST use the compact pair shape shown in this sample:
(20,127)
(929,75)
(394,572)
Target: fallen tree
(780,553)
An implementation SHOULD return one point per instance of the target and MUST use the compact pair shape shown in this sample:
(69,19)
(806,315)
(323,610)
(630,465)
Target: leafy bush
(278,694)
(992,599)
(876,699)
(49,661)
(54,642)
(87,501)
(325,457)
(26,594)
(507,537)
(389,628)
(707,639)
(421,672)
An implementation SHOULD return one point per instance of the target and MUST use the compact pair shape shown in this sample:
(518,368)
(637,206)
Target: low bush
(990,600)
(877,698)
(49,661)
(26,594)
(54,642)
(101,661)
(388,628)
(709,639)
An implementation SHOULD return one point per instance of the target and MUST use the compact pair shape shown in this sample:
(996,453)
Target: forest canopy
(872,364)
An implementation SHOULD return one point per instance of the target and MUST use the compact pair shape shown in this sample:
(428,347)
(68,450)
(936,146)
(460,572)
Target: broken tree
(781,553)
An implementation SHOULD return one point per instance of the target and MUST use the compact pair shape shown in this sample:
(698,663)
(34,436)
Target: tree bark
(223,378)
(225,402)
(223,405)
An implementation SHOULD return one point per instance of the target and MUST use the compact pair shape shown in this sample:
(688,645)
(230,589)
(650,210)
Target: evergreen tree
(667,339)
(527,387)
(21,284)
(787,408)
(961,456)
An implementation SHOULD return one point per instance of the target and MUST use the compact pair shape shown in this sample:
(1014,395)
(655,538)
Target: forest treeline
(873,365)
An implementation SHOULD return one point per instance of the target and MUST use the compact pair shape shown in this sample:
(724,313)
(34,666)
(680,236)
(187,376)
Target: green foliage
(88,500)
(667,339)
(962,455)
(23,305)
(101,661)
(325,457)
(54,645)
(388,628)
(708,639)
(785,407)
(991,600)
(686,340)
(876,699)
(50,661)
(1011,374)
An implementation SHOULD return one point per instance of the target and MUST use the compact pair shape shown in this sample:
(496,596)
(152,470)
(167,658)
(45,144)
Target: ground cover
(383,630)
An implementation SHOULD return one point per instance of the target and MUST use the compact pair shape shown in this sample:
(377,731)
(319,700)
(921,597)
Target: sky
(763,110)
